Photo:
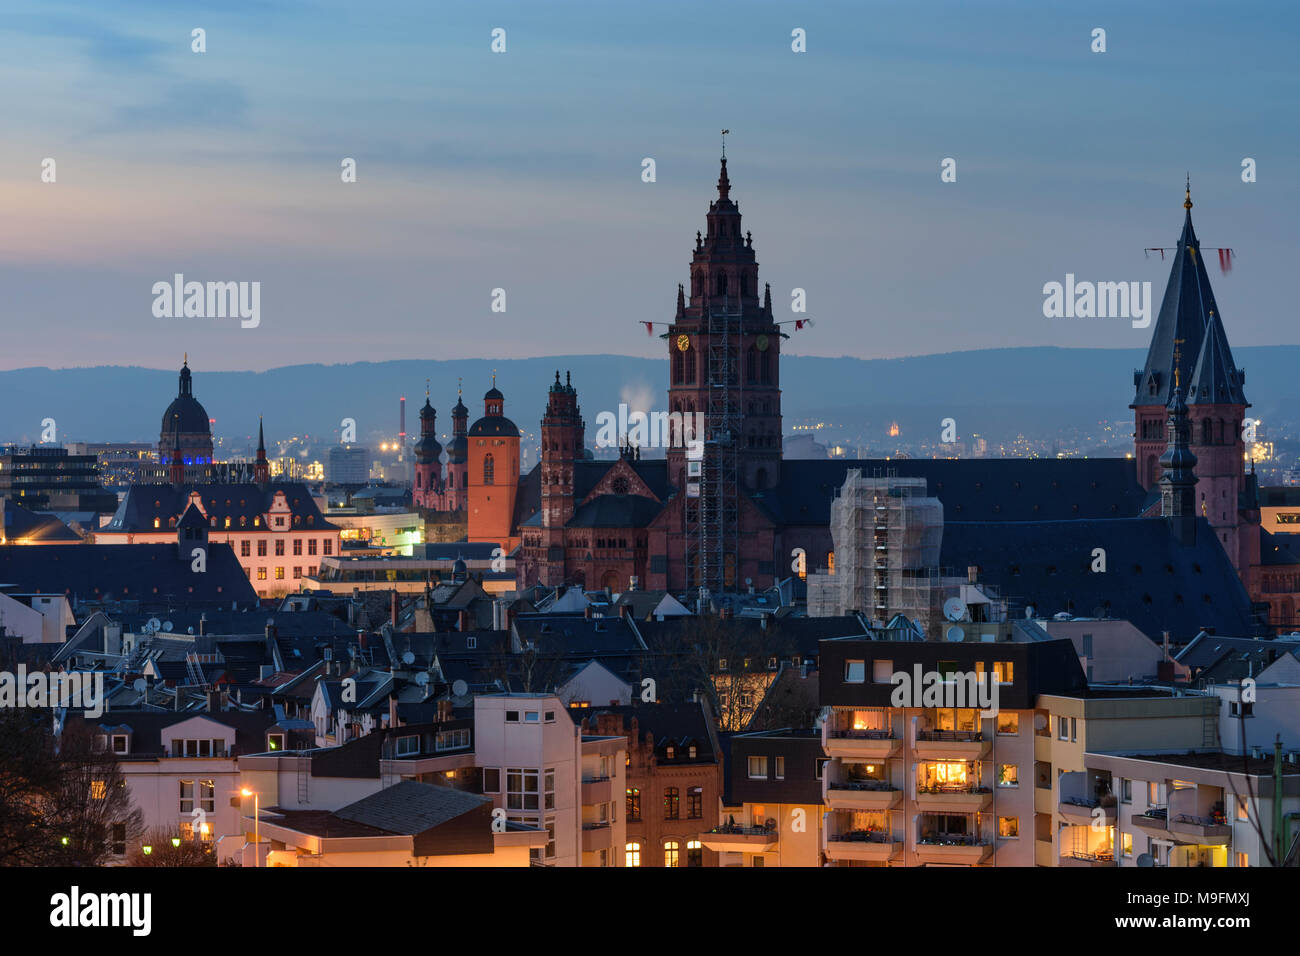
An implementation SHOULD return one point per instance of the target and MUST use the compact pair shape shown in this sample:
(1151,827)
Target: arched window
(694,853)
(672,853)
(634,854)
(690,365)
(489,469)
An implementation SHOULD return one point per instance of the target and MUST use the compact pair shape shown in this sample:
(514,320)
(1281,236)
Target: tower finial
(426,389)
(185,360)
(1187,203)
(724,142)
(458,384)
(494,378)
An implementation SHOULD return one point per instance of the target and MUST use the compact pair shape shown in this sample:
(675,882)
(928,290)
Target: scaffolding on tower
(713,519)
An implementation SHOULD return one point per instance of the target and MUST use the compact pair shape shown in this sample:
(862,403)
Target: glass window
(757,768)
(634,804)
(780,768)
(672,853)
(854,672)
(187,796)
(1008,724)
(672,803)
(1009,827)
(491,780)
(521,788)
(695,803)
(634,854)
(882,672)
(694,853)
(1008,775)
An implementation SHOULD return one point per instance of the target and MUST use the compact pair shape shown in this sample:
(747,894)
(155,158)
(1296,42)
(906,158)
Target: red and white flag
(1225,260)
(649,328)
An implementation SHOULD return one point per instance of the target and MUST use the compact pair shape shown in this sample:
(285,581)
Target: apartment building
(772,812)
(674,780)
(544,772)
(1075,819)
(1207,809)
(945,779)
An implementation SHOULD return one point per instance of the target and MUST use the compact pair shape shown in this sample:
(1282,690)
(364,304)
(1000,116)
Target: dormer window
(471,642)
(275,741)
(691,753)
(670,752)
(120,744)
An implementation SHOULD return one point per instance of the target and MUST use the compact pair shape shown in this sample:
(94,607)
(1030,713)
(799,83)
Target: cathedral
(738,515)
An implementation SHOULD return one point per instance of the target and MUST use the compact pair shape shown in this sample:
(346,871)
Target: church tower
(724,333)
(1189,334)
(493,469)
(562,446)
(428,460)
(457,475)
(1177,471)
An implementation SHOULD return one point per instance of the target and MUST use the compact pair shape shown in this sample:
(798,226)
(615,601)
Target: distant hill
(995,392)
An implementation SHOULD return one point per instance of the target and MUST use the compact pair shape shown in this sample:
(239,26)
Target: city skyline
(522,171)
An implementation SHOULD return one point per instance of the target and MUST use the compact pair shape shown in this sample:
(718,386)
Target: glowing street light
(257,829)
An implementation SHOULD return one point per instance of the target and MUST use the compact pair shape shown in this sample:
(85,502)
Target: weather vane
(724,142)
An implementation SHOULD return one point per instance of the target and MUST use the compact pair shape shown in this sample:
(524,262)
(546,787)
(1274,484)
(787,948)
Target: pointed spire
(1187,203)
(261,438)
(1178,474)
(681,300)
(724,184)
(1216,380)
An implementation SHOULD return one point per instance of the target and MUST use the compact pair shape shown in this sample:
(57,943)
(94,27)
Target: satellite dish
(167,626)
(1040,722)
(422,678)
(1145,859)
(153,626)
(140,686)
(189,630)
(954,609)
(459,688)
(955,634)
(1029,613)
(408,658)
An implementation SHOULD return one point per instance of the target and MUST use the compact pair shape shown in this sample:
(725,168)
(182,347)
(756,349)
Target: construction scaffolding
(713,519)
(887,532)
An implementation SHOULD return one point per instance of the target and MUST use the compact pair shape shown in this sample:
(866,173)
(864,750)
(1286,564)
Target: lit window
(672,853)
(1008,775)
(634,854)
(1008,827)
(1008,724)
(98,790)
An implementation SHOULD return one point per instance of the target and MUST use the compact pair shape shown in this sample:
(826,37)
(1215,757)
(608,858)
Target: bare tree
(91,799)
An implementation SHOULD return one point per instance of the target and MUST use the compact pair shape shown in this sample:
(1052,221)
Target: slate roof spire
(1188,315)
(1216,380)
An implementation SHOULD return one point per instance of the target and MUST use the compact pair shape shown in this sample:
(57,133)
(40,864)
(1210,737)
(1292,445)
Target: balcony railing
(595,779)
(862,734)
(951,736)
(1099,856)
(738,830)
(952,839)
(883,786)
(952,788)
(1218,820)
(599,825)
(862,836)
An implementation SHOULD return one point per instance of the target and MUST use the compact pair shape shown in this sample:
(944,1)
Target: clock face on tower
(683,343)
(761,342)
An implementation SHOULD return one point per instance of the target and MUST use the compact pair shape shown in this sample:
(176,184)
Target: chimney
(392,711)
(203,624)
(1165,637)
(972,574)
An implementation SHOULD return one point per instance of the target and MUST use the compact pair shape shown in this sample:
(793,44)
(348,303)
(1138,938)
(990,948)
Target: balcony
(1204,829)
(597,790)
(1083,812)
(952,849)
(950,744)
(862,795)
(596,836)
(860,744)
(730,838)
(953,799)
(873,845)
(1155,822)
(1079,858)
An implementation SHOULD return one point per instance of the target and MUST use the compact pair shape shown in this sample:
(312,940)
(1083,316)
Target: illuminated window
(634,854)
(1008,827)
(157,523)
(1243,809)
(98,790)
(1004,671)
(634,804)
(672,853)
(261,574)
(1008,775)
(694,853)
(672,804)
(275,741)
(1126,842)
(757,768)
(830,561)
(208,796)
(279,574)
(1008,724)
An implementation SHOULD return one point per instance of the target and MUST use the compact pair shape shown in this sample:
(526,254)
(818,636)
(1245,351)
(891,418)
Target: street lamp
(257,831)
